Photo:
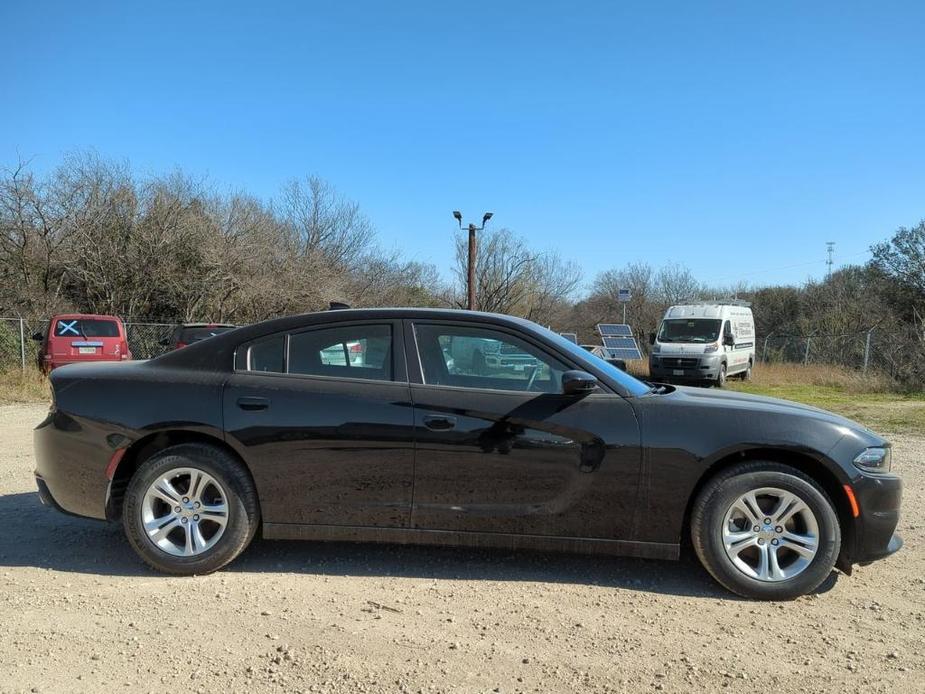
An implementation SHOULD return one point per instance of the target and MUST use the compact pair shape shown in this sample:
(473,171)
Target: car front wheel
(765,531)
(190,509)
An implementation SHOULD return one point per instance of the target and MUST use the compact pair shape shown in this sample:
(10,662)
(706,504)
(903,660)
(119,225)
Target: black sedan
(381,425)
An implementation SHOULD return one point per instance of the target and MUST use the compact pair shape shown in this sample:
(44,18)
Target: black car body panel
(408,461)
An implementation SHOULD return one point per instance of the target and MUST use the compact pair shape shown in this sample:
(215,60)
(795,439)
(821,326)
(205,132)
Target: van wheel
(720,377)
(765,531)
(747,374)
(190,510)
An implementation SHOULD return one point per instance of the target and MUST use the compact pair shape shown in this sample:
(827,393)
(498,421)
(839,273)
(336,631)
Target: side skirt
(416,536)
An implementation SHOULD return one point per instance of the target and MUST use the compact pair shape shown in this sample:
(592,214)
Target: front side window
(362,351)
(484,358)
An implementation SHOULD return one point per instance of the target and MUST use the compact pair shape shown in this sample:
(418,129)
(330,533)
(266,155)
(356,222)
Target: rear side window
(362,351)
(85,327)
(356,351)
(267,355)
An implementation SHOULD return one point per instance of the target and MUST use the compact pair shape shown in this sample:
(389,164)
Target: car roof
(207,325)
(94,316)
(217,353)
(220,348)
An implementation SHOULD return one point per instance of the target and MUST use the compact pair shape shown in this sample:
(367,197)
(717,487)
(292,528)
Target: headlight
(874,460)
(710,348)
(656,348)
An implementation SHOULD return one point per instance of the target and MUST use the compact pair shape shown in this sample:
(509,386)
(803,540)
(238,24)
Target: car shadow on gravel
(44,538)
(682,578)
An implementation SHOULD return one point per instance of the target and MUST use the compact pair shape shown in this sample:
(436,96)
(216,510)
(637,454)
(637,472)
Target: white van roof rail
(718,302)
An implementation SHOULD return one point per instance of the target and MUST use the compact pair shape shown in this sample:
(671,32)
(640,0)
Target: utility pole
(470,270)
(830,249)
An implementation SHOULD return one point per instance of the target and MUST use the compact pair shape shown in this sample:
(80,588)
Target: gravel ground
(79,613)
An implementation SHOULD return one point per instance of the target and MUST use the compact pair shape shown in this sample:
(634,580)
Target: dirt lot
(79,613)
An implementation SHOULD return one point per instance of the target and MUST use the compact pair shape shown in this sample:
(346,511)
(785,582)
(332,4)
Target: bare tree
(325,223)
(675,284)
(513,278)
(34,231)
(903,256)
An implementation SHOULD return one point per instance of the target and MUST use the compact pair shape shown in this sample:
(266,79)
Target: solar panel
(614,330)
(571,337)
(619,342)
(624,353)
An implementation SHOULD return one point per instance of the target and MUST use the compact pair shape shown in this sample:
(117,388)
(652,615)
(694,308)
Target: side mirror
(729,340)
(38,337)
(651,338)
(578,383)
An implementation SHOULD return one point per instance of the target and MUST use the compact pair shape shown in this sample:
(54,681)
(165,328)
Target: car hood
(761,404)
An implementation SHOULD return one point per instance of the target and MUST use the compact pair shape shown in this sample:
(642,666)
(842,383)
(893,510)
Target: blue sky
(734,138)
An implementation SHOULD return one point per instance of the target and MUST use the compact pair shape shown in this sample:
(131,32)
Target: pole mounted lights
(470,273)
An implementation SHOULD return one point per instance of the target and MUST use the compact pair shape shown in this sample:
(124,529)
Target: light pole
(470,271)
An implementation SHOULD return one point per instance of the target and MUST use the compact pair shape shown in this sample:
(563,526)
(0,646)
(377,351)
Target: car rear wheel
(190,509)
(765,531)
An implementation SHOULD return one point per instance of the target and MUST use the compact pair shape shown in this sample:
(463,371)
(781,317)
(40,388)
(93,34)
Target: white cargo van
(703,342)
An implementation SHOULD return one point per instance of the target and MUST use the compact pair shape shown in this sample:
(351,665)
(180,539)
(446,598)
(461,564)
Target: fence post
(22,343)
(867,349)
(764,351)
(806,353)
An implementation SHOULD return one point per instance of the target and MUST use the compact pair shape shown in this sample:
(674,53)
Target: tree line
(92,235)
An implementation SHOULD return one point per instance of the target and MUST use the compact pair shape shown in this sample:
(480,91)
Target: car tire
(720,377)
(197,543)
(721,523)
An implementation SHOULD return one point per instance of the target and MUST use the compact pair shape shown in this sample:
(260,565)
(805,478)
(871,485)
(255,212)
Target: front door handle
(252,404)
(439,422)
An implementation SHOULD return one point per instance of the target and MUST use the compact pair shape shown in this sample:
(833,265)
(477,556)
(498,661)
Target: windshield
(632,385)
(690,330)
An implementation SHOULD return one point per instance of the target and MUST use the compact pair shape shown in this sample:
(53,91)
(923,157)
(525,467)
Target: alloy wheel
(770,534)
(184,512)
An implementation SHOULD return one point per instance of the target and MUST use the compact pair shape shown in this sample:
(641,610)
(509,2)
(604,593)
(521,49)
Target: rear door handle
(251,403)
(439,422)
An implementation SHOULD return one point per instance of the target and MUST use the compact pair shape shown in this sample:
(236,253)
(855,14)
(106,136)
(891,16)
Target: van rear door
(86,339)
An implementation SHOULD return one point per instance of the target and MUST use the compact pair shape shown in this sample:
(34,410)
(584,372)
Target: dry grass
(871,399)
(17,386)
(789,375)
(822,375)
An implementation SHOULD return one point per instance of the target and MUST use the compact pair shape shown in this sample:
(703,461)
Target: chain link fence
(873,350)
(19,349)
